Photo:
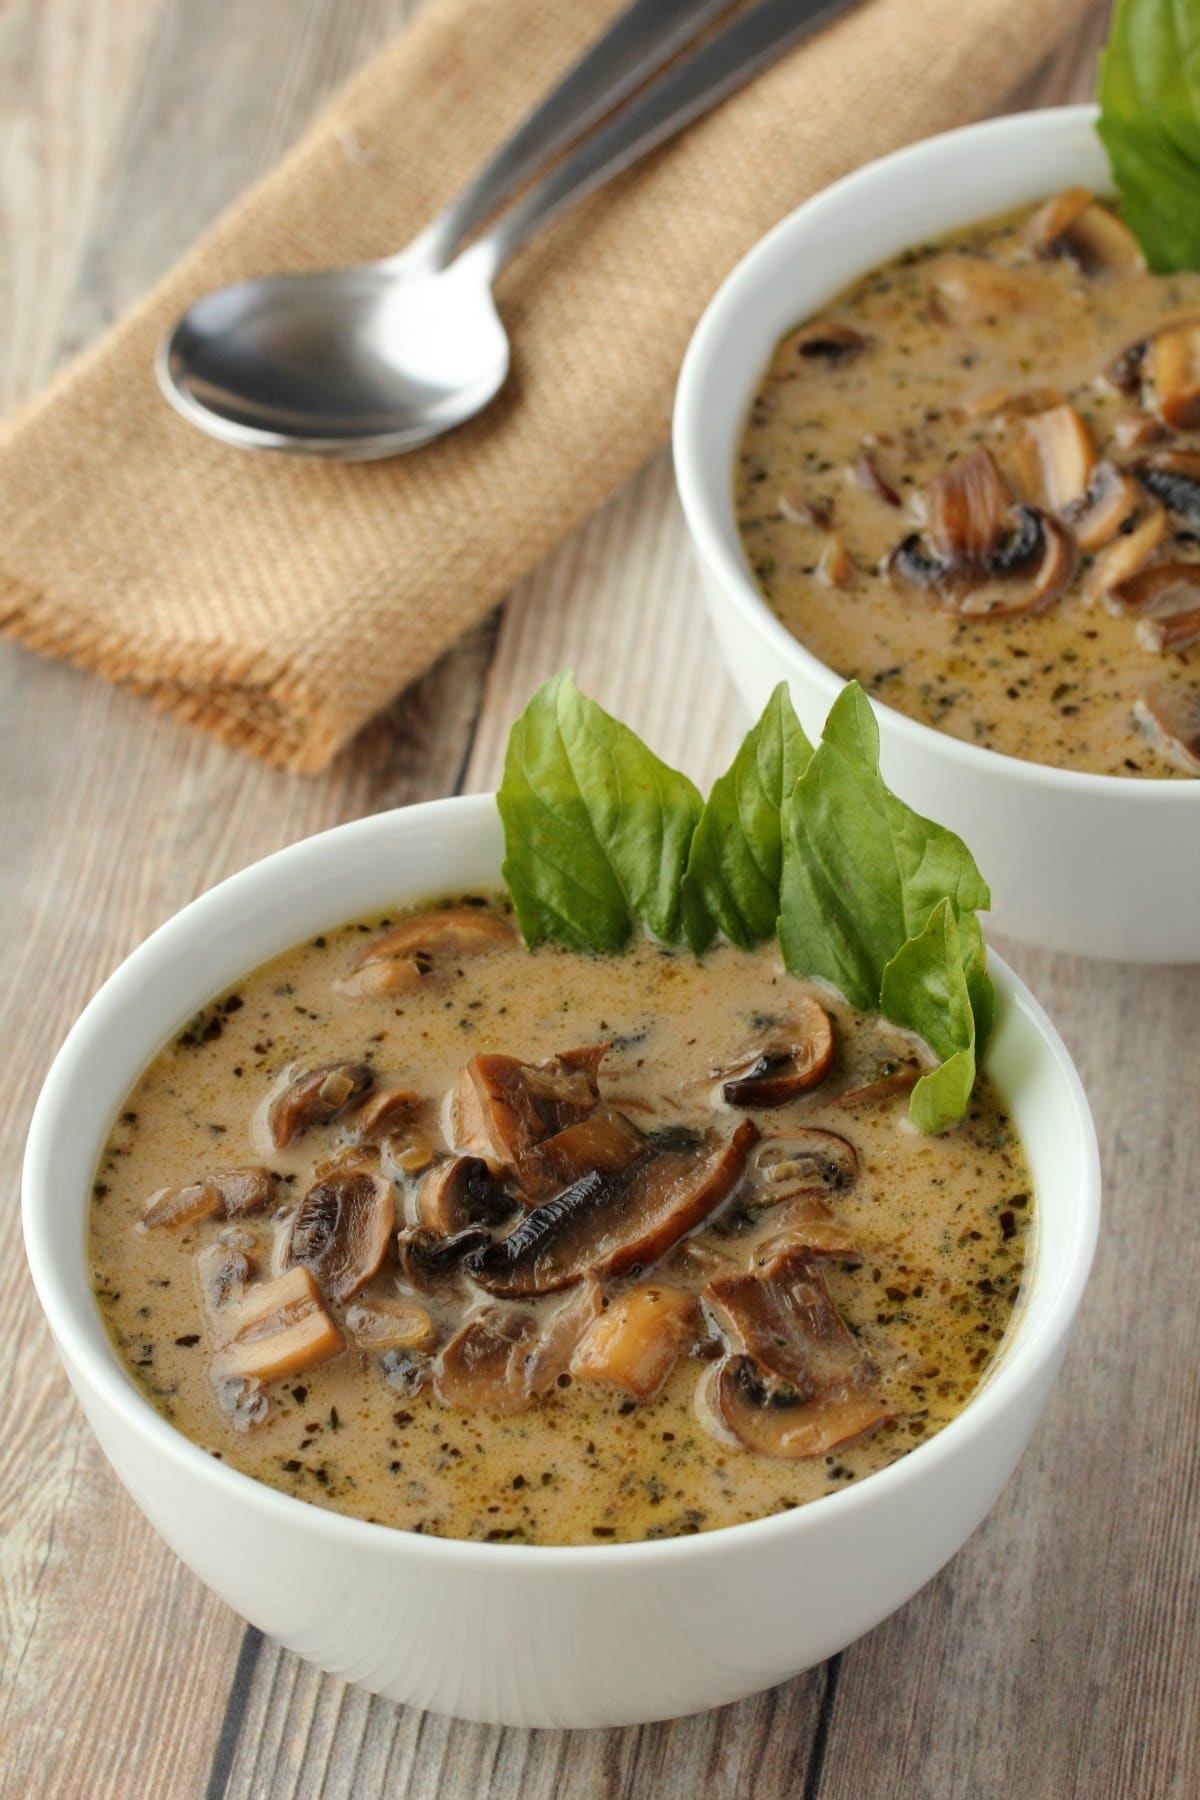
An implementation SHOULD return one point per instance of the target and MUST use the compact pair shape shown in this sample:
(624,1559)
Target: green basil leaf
(1149,94)
(861,870)
(596,829)
(924,989)
(737,853)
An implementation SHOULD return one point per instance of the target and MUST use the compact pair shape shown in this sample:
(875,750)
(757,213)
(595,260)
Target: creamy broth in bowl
(740,1280)
(973,483)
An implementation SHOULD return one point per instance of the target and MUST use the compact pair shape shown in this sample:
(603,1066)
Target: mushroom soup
(974,484)
(428,1228)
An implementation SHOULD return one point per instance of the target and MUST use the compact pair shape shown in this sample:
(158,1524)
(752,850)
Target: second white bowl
(1089,863)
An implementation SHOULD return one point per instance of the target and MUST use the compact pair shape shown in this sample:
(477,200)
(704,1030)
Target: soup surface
(974,485)
(744,1279)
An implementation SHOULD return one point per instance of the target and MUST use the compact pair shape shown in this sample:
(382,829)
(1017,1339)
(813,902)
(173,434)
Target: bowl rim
(111,1383)
(693,404)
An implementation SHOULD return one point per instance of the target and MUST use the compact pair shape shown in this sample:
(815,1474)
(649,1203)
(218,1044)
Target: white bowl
(1090,863)
(603,1635)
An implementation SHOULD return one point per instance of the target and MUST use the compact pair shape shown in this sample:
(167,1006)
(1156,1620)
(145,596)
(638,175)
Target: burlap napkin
(279,603)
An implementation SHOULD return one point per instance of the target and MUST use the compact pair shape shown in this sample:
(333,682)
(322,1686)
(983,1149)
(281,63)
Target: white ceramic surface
(601,1635)
(1089,863)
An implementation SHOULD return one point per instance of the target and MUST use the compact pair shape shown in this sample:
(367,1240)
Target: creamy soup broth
(942,1225)
(968,345)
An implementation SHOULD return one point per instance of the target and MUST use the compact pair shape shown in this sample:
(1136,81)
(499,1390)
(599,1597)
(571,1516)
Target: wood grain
(1056,1656)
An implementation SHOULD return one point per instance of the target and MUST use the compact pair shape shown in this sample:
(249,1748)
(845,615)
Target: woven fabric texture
(280,603)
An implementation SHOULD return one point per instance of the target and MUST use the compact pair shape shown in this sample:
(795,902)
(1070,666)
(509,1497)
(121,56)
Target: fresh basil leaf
(737,853)
(861,870)
(1149,94)
(924,989)
(596,829)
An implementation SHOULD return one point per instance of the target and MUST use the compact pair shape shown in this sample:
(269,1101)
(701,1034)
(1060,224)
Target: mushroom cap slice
(460,1192)
(636,1342)
(609,1224)
(1161,588)
(1076,225)
(424,946)
(1173,477)
(560,1332)
(796,1059)
(606,1141)
(883,1085)
(1168,713)
(390,1325)
(796,1383)
(1174,363)
(869,476)
(1127,552)
(828,341)
(341,1230)
(279,1328)
(505,1108)
(316,1098)
(485,1366)
(384,1113)
(1052,458)
(1173,631)
(1111,502)
(229,1194)
(805,1222)
(801,1161)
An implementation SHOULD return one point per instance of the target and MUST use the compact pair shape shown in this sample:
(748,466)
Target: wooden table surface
(1057,1655)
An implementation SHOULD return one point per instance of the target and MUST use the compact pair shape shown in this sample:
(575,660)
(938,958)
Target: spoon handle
(709,75)
(639,41)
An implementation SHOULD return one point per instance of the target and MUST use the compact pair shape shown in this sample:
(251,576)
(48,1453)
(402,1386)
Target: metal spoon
(360,363)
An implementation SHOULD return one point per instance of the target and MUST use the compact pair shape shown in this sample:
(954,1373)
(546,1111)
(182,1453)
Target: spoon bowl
(347,363)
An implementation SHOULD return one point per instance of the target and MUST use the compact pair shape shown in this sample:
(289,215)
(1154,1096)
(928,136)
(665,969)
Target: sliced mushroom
(793,1061)
(835,565)
(341,1230)
(1052,457)
(428,1258)
(1175,631)
(805,1222)
(883,1084)
(1014,403)
(280,1328)
(225,1273)
(1161,588)
(1168,713)
(609,1224)
(1173,477)
(796,1383)
(827,341)
(797,509)
(424,947)
(551,1355)
(1174,364)
(982,556)
(605,1141)
(228,1194)
(1133,431)
(1110,505)
(801,1160)
(1127,552)
(383,1114)
(1076,225)
(505,1108)
(461,1192)
(869,475)
(485,1366)
(390,1325)
(316,1098)
(634,1345)
(968,291)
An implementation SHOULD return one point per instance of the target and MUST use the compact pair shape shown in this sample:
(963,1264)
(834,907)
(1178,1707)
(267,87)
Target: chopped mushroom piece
(1005,403)
(883,1085)
(1109,506)
(429,1257)
(605,1141)
(1133,431)
(316,1098)
(224,1276)
(1168,713)
(968,291)
(229,1194)
(824,340)
(1162,588)
(280,1328)
(608,1225)
(870,477)
(1052,457)
(383,1114)
(485,1366)
(390,1325)
(1175,373)
(805,1222)
(1173,477)
(793,1060)
(799,1161)
(796,1383)
(505,1108)
(798,510)
(637,1341)
(1174,631)
(425,947)
(1075,225)
(835,566)
(551,1355)
(1127,552)
(341,1230)
(982,556)
(460,1192)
